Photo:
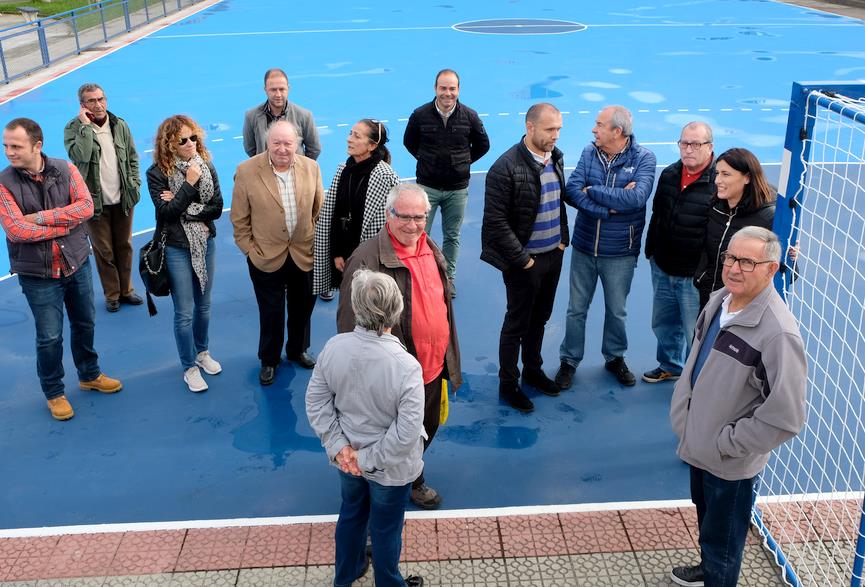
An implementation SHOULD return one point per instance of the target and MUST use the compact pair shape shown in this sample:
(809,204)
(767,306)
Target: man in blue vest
(44,207)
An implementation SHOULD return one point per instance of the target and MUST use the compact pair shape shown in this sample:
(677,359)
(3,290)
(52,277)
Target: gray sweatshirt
(749,398)
(367,391)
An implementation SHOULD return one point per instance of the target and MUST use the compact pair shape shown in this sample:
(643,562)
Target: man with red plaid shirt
(44,204)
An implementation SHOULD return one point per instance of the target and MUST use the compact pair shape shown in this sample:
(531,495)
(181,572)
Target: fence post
(3,63)
(43,43)
(102,18)
(126,15)
(75,33)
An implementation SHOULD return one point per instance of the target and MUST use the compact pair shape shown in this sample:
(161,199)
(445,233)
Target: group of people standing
(367,237)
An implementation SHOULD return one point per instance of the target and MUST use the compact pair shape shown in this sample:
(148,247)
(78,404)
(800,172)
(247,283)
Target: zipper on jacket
(630,236)
(597,236)
(720,244)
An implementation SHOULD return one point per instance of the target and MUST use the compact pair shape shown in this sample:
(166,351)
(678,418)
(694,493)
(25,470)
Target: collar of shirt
(402,251)
(542,159)
(270,115)
(276,172)
(442,112)
(610,158)
(36,176)
(726,314)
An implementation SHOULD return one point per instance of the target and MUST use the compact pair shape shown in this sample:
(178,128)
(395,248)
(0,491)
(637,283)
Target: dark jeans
(531,293)
(47,298)
(382,508)
(289,288)
(723,515)
(432,409)
(111,237)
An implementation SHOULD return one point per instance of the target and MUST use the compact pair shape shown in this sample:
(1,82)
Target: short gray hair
(287,123)
(402,188)
(88,88)
(700,124)
(376,300)
(621,117)
(771,244)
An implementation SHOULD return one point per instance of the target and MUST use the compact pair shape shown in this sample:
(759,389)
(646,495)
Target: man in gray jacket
(277,107)
(740,396)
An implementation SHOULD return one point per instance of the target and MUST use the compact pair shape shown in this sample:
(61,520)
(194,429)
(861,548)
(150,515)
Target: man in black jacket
(524,234)
(676,232)
(446,137)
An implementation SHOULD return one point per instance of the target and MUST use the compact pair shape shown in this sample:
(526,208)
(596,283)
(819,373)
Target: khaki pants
(111,237)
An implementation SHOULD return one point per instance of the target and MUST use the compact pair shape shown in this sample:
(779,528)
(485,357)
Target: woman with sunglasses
(353,208)
(743,198)
(185,192)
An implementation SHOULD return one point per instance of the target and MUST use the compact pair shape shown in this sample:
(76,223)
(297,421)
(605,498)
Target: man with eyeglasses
(740,396)
(446,137)
(675,237)
(275,204)
(277,107)
(427,326)
(524,235)
(100,145)
(609,187)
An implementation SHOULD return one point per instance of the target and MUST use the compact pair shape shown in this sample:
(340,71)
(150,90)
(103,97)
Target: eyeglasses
(746,265)
(687,146)
(406,218)
(183,140)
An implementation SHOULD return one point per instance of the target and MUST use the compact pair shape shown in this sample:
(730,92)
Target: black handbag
(153,270)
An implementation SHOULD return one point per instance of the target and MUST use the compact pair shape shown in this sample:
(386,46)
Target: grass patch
(45,8)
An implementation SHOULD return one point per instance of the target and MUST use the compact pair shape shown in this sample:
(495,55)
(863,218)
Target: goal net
(809,508)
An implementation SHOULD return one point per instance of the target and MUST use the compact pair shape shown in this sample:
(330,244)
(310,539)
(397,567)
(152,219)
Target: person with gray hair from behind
(365,401)
(427,327)
(609,187)
(740,396)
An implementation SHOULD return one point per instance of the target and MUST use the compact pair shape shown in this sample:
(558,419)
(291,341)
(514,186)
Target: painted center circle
(520,26)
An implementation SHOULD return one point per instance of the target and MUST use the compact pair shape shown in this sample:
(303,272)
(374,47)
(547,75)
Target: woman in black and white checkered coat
(353,208)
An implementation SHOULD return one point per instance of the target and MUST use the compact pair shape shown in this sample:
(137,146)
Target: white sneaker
(194,380)
(206,362)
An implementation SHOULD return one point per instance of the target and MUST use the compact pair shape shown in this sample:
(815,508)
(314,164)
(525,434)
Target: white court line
(530,510)
(513,26)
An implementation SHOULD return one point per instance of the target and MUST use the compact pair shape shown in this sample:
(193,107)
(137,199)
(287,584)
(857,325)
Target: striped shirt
(547,229)
(285,182)
(49,224)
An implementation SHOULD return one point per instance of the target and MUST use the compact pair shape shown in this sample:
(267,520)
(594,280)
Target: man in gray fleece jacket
(740,396)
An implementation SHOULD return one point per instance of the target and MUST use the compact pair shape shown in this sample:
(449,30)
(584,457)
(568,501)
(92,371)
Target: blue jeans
(674,315)
(453,205)
(191,307)
(616,274)
(46,298)
(380,507)
(723,516)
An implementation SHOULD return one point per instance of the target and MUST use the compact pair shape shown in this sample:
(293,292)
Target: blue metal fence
(31,46)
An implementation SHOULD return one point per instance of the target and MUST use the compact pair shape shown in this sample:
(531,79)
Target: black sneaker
(540,381)
(619,368)
(414,581)
(565,375)
(515,397)
(687,576)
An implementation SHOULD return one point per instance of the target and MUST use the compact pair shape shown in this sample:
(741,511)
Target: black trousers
(531,293)
(432,408)
(289,288)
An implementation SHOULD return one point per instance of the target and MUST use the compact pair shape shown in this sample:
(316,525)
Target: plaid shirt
(49,224)
(285,182)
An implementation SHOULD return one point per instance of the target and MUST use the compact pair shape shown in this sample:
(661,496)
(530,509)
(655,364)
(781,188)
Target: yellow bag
(443,414)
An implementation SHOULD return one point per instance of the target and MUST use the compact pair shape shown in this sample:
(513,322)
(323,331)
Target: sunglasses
(183,140)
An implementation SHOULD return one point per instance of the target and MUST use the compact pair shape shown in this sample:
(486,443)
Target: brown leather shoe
(60,408)
(103,383)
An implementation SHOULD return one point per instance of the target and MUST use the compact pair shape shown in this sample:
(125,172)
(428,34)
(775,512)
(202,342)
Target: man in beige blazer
(275,204)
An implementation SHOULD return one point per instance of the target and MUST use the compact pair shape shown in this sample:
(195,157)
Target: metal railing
(31,46)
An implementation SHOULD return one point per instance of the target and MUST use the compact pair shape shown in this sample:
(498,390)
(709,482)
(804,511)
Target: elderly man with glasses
(677,229)
(427,327)
(740,396)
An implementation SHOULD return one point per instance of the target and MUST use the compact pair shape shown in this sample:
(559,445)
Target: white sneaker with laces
(206,362)
(194,380)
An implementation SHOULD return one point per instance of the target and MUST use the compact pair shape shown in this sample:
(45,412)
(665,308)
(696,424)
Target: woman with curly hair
(353,207)
(185,192)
